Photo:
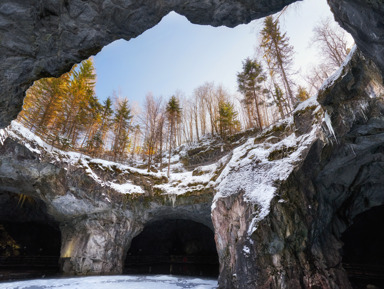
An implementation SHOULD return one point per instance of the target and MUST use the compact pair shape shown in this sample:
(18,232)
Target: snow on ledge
(331,80)
(36,145)
(254,173)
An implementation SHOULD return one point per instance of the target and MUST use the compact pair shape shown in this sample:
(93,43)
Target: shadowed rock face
(45,38)
(298,245)
(365,21)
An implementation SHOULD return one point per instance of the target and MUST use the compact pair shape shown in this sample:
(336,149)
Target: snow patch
(36,145)
(126,188)
(312,101)
(3,135)
(246,250)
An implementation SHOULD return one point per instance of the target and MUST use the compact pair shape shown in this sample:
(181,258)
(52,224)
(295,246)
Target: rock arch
(44,38)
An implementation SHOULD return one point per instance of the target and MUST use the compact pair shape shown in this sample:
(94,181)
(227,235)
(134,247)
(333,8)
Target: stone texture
(97,224)
(365,21)
(298,244)
(45,38)
(41,38)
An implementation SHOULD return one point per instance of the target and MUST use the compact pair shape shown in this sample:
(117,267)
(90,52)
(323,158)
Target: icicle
(173,199)
(328,122)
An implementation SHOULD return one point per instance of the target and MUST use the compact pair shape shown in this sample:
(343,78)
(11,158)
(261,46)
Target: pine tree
(121,125)
(278,53)
(302,93)
(249,84)
(228,122)
(106,120)
(92,121)
(278,97)
(43,102)
(173,110)
(76,109)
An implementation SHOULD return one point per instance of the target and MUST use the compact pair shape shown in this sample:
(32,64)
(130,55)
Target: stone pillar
(96,244)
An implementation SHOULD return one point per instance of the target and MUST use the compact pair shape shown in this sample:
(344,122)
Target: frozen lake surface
(115,282)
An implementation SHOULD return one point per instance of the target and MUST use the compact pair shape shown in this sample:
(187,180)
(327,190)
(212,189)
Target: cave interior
(173,246)
(30,240)
(363,249)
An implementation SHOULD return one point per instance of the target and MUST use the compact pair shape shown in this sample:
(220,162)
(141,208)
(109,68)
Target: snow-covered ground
(179,182)
(115,282)
(248,168)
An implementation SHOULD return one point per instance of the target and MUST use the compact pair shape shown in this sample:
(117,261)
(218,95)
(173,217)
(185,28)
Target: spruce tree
(121,126)
(228,122)
(249,84)
(278,53)
(173,110)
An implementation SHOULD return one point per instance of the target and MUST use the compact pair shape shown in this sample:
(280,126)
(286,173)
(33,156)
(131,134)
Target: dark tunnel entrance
(30,240)
(363,250)
(178,247)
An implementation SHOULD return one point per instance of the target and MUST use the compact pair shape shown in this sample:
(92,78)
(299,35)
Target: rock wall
(279,201)
(364,20)
(297,245)
(97,223)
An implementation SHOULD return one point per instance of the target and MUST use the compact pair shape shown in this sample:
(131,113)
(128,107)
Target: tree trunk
(170,148)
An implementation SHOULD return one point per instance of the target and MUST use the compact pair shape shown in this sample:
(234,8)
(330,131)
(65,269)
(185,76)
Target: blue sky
(177,55)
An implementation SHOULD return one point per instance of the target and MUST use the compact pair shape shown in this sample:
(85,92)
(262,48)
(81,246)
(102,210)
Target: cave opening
(363,250)
(177,247)
(30,241)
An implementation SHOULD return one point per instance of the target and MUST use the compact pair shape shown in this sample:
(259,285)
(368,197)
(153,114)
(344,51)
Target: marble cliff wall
(278,202)
(297,244)
(322,168)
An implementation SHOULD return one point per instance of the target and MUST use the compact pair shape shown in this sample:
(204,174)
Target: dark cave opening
(30,241)
(363,250)
(178,247)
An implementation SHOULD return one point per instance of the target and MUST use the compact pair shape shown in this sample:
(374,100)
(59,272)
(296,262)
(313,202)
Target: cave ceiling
(46,37)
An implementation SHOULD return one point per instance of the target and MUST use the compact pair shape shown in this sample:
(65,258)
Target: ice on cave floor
(115,282)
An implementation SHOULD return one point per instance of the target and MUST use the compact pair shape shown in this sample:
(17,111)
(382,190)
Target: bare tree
(333,46)
(151,114)
(316,76)
(332,42)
